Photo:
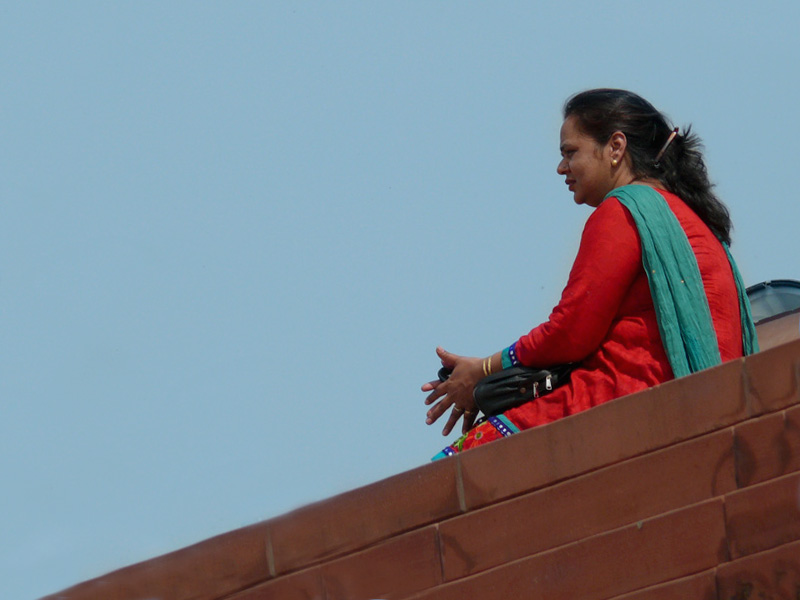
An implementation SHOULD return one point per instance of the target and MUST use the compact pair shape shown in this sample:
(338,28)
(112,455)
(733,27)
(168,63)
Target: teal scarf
(676,286)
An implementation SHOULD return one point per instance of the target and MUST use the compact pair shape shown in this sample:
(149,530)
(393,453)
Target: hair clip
(660,154)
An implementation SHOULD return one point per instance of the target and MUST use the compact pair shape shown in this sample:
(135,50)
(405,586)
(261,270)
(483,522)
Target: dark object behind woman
(613,319)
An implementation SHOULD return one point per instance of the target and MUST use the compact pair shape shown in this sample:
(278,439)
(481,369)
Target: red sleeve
(608,261)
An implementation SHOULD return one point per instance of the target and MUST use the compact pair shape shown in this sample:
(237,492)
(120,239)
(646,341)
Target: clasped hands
(455,392)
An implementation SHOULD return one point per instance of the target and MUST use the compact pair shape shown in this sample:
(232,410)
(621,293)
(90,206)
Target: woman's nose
(562,167)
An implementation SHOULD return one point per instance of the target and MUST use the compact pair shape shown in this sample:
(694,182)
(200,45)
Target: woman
(622,158)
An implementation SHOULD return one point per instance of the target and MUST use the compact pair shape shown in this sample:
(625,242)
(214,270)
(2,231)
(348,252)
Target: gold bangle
(489,368)
(483,364)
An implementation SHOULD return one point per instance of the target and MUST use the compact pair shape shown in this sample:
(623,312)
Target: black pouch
(516,385)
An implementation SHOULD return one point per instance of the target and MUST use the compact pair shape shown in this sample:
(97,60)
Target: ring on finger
(458,410)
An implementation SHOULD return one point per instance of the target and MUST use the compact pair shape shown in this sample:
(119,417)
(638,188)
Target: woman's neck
(648,181)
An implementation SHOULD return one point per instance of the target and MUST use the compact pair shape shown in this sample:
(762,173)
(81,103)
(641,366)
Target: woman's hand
(456,392)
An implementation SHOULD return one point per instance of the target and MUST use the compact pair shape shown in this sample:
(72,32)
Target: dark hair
(681,169)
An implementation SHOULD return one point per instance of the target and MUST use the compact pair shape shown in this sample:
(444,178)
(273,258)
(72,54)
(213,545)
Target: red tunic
(606,320)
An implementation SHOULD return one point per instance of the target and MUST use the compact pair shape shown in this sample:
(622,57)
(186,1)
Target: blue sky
(232,235)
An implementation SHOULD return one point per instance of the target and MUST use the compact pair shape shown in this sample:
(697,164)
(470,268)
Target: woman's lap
(540,411)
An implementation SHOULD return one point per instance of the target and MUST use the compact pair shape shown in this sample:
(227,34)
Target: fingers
(455,415)
(455,391)
(448,359)
(431,385)
(438,410)
(438,392)
(469,420)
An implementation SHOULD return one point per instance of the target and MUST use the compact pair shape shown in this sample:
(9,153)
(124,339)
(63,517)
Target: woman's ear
(617,144)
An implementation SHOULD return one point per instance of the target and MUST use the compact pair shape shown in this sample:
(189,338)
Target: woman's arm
(609,260)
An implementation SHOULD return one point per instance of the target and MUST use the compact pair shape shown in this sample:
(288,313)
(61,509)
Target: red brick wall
(687,490)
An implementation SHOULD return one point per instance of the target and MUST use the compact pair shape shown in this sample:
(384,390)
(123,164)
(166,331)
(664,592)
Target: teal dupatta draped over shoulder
(684,318)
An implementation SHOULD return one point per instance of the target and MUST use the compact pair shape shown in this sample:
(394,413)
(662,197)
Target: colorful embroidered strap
(682,311)
(509,356)
(503,424)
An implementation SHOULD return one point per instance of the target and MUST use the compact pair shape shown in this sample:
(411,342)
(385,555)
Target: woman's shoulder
(674,202)
(610,213)
(612,203)
(611,229)
(612,209)
(689,220)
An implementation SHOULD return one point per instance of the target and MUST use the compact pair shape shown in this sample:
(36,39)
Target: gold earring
(614,162)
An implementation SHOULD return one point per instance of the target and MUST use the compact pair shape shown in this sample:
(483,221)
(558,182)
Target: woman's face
(585,164)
